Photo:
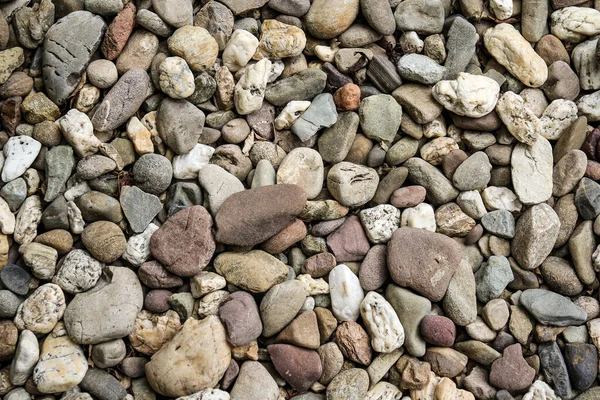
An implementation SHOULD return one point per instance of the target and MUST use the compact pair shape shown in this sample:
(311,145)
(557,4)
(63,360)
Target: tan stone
(195,359)
(515,53)
(152,331)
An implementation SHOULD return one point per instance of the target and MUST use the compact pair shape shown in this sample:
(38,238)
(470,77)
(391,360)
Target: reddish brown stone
(474,235)
(408,196)
(155,276)
(511,372)
(10,114)
(551,49)
(354,342)
(239,314)
(373,271)
(438,330)
(451,162)
(157,301)
(487,123)
(285,238)
(590,144)
(9,335)
(593,170)
(250,217)
(347,98)
(349,242)
(118,32)
(185,244)
(319,265)
(299,367)
(423,261)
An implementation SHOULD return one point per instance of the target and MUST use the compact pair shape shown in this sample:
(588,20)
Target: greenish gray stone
(492,277)
(183,304)
(321,114)
(421,69)
(439,188)
(373,125)
(304,85)
(96,206)
(14,192)
(59,164)
(336,141)
(500,223)
(55,215)
(551,308)
(139,207)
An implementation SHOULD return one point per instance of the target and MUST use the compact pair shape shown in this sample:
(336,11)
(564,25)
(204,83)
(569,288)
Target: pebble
(250,89)
(492,278)
(411,309)
(382,322)
(68,48)
(349,242)
(302,167)
(555,369)
(320,114)
(280,305)
(343,184)
(469,95)
(574,23)
(26,356)
(346,293)
(87,314)
(531,171)
(551,308)
(205,341)
(323,26)
(275,207)
(279,40)
(432,280)
(176,78)
(254,381)
(512,51)
(421,17)
(380,129)
(299,367)
(62,364)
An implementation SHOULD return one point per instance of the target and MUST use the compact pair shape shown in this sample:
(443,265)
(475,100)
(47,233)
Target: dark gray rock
(179,124)
(152,173)
(182,195)
(582,363)
(382,72)
(68,48)
(304,85)
(15,279)
(551,308)
(102,385)
(139,207)
(55,215)
(587,198)
(555,369)
(9,303)
(122,101)
(460,46)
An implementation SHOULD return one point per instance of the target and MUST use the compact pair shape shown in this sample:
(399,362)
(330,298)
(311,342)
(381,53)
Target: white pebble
(380,222)
(20,153)
(290,113)
(79,132)
(421,216)
(250,89)
(346,293)
(187,166)
(240,48)
(382,323)
(469,95)
(138,246)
